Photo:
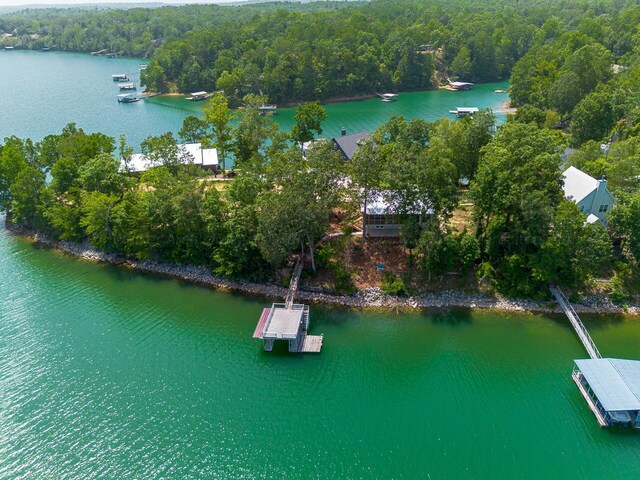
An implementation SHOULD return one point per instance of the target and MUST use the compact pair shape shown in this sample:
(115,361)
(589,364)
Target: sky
(10,3)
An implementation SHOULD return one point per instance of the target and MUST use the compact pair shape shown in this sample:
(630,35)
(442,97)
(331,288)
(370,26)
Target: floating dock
(460,86)
(198,96)
(388,97)
(610,386)
(264,109)
(288,322)
(462,112)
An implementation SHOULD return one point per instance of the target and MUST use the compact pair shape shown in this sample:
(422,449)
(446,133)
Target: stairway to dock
(293,285)
(573,317)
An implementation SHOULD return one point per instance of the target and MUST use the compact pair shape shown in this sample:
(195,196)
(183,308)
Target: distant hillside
(129,5)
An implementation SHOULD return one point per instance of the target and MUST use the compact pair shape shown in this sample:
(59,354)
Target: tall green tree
(218,116)
(516,193)
(574,250)
(308,117)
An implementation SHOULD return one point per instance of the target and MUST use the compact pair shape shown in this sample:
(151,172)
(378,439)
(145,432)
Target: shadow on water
(449,317)
(591,321)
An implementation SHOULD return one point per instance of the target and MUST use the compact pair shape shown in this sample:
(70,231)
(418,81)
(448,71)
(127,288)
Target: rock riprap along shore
(368,298)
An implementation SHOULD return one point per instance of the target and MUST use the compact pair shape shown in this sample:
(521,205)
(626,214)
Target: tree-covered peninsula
(314,51)
(478,206)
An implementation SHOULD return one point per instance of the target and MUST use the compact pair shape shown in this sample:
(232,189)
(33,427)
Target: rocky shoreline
(370,298)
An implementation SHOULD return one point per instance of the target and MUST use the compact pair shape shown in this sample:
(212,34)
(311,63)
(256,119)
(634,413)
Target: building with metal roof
(206,158)
(611,387)
(382,215)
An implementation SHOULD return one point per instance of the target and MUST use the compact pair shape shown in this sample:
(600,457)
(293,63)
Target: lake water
(106,373)
(42,92)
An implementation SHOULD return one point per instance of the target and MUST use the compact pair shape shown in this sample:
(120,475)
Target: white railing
(580,329)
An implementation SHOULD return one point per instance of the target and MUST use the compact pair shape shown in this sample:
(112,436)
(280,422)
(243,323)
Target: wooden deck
(260,326)
(311,344)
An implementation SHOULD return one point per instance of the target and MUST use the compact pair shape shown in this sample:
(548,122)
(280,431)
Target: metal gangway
(580,329)
(293,285)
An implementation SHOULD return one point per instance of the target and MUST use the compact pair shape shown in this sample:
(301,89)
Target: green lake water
(106,373)
(42,92)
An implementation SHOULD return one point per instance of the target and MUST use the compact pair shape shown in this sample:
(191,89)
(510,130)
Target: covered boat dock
(611,387)
(461,112)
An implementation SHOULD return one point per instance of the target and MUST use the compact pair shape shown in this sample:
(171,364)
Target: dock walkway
(293,285)
(580,329)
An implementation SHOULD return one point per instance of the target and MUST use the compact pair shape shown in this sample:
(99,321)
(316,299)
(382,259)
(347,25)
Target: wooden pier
(311,344)
(289,322)
(580,329)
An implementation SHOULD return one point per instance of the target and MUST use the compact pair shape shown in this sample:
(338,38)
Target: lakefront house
(348,144)
(381,216)
(591,195)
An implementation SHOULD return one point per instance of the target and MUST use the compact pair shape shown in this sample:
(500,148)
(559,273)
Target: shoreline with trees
(513,231)
(370,299)
(289,199)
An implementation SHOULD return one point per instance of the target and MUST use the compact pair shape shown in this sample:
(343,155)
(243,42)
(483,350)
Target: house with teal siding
(591,195)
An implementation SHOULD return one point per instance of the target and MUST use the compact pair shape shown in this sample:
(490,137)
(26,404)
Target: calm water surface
(42,92)
(105,373)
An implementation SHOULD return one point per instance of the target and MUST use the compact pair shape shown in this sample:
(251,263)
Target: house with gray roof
(591,195)
(348,144)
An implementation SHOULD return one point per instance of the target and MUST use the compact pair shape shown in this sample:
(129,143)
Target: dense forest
(314,51)
(574,78)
